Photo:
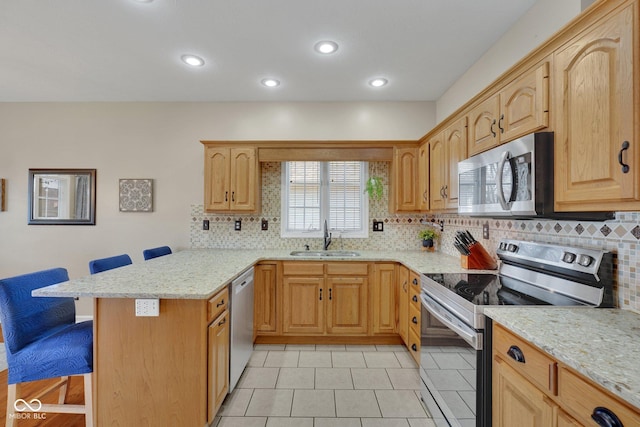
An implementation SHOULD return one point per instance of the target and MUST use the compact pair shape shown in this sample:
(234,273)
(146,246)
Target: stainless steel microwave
(513,179)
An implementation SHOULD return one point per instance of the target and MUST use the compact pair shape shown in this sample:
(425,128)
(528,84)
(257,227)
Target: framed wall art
(136,195)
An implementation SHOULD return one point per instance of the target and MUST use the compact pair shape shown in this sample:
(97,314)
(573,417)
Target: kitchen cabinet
(329,298)
(423,177)
(530,387)
(415,313)
(521,107)
(265,298)
(383,299)
(596,78)
(446,149)
(218,351)
(231,179)
(404,183)
(403,303)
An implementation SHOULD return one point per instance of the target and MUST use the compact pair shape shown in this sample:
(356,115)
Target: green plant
(374,187)
(427,233)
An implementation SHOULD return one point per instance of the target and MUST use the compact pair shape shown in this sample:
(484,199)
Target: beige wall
(539,23)
(158,141)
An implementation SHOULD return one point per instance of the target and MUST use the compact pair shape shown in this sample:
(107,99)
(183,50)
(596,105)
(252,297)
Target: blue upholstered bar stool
(104,264)
(44,341)
(156,252)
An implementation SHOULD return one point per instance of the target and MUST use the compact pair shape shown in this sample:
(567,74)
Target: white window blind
(313,192)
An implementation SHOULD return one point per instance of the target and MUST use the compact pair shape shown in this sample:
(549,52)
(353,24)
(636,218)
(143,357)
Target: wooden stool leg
(88,399)
(12,395)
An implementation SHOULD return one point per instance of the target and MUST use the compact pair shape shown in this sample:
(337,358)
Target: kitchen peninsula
(155,370)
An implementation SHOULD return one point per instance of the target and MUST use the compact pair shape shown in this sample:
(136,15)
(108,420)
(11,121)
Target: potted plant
(427,235)
(374,188)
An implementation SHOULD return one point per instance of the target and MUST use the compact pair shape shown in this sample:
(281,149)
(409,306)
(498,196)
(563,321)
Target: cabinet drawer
(302,268)
(217,304)
(414,297)
(414,319)
(414,345)
(347,268)
(535,365)
(580,398)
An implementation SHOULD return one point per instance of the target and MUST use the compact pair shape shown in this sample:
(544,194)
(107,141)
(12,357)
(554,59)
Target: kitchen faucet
(327,236)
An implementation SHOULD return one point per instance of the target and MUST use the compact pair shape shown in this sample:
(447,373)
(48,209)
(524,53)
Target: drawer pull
(415,298)
(222,322)
(415,281)
(414,347)
(516,354)
(605,417)
(415,320)
(220,303)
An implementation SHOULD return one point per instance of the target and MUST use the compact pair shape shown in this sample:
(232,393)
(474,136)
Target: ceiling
(127,50)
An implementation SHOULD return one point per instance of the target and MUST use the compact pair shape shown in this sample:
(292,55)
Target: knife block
(479,259)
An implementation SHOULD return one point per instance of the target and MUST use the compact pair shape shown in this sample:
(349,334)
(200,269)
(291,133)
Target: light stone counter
(199,274)
(601,344)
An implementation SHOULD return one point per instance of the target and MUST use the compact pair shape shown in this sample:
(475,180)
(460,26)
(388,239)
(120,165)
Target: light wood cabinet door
(524,104)
(516,402)
(244,184)
(218,364)
(456,150)
(595,79)
(303,305)
(383,300)
(217,178)
(347,308)
(405,180)
(265,299)
(565,420)
(403,303)
(483,125)
(437,171)
(423,177)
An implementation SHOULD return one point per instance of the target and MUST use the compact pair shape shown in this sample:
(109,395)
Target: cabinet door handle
(233,196)
(404,286)
(415,320)
(220,303)
(330,297)
(445,188)
(625,147)
(605,417)
(493,132)
(516,354)
(500,123)
(226,196)
(415,298)
(222,322)
(424,196)
(320,294)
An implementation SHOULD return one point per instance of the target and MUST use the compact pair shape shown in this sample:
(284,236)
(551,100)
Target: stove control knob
(585,260)
(569,257)
(503,246)
(512,248)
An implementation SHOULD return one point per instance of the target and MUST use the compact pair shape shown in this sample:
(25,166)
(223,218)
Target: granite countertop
(601,344)
(200,273)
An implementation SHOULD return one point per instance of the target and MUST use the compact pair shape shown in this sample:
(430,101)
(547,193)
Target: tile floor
(326,386)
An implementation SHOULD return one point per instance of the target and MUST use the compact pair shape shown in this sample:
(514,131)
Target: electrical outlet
(147,307)
(485,230)
(205,224)
(378,226)
(264,225)
(238,225)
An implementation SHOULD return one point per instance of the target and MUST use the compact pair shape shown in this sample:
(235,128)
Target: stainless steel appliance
(455,338)
(514,179)
(241,326)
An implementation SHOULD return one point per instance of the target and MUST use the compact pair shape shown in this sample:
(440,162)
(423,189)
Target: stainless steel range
(455,368)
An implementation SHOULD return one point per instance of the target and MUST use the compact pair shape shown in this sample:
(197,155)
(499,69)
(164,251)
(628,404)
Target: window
(315,192)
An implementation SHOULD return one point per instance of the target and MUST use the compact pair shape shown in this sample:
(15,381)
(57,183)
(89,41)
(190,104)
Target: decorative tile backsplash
(620,236)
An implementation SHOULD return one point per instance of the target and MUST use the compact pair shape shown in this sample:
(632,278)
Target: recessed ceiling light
(270,82)
(378,82)
(326,47)
(194,61)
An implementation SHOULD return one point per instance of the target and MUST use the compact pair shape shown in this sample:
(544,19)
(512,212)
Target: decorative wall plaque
(136,195)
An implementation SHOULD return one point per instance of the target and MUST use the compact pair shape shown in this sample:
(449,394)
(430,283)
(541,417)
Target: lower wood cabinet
(303,305)
(403,302)
(384,299)
(265,298)
(218,363)
(531,388)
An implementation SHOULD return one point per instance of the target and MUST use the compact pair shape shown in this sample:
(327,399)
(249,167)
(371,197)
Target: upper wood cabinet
(231,179)
(446,150)
(596,77)
(423,177)
(521,107)
(404,182)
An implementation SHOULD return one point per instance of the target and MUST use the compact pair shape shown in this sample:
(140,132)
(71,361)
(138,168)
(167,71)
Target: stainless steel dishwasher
(241,326)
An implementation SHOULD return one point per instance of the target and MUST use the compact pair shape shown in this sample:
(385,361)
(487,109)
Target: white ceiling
(123,50)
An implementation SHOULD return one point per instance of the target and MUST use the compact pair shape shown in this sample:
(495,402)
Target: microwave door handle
(506,205)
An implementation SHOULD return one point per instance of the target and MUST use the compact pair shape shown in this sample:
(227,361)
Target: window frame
(324,206)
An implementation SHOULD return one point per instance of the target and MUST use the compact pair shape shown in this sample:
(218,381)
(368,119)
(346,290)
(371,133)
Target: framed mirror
(62,196)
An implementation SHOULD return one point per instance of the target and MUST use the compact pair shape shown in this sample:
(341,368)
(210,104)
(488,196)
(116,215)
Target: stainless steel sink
(337,254)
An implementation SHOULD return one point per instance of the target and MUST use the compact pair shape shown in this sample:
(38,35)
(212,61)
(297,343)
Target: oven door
(450,354)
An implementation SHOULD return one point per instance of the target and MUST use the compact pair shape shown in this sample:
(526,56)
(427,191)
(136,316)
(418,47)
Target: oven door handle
(470,337)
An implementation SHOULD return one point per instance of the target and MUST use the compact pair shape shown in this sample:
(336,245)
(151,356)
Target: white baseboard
(83,318)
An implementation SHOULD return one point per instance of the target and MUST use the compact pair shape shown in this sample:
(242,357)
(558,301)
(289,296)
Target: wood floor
(75,395)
